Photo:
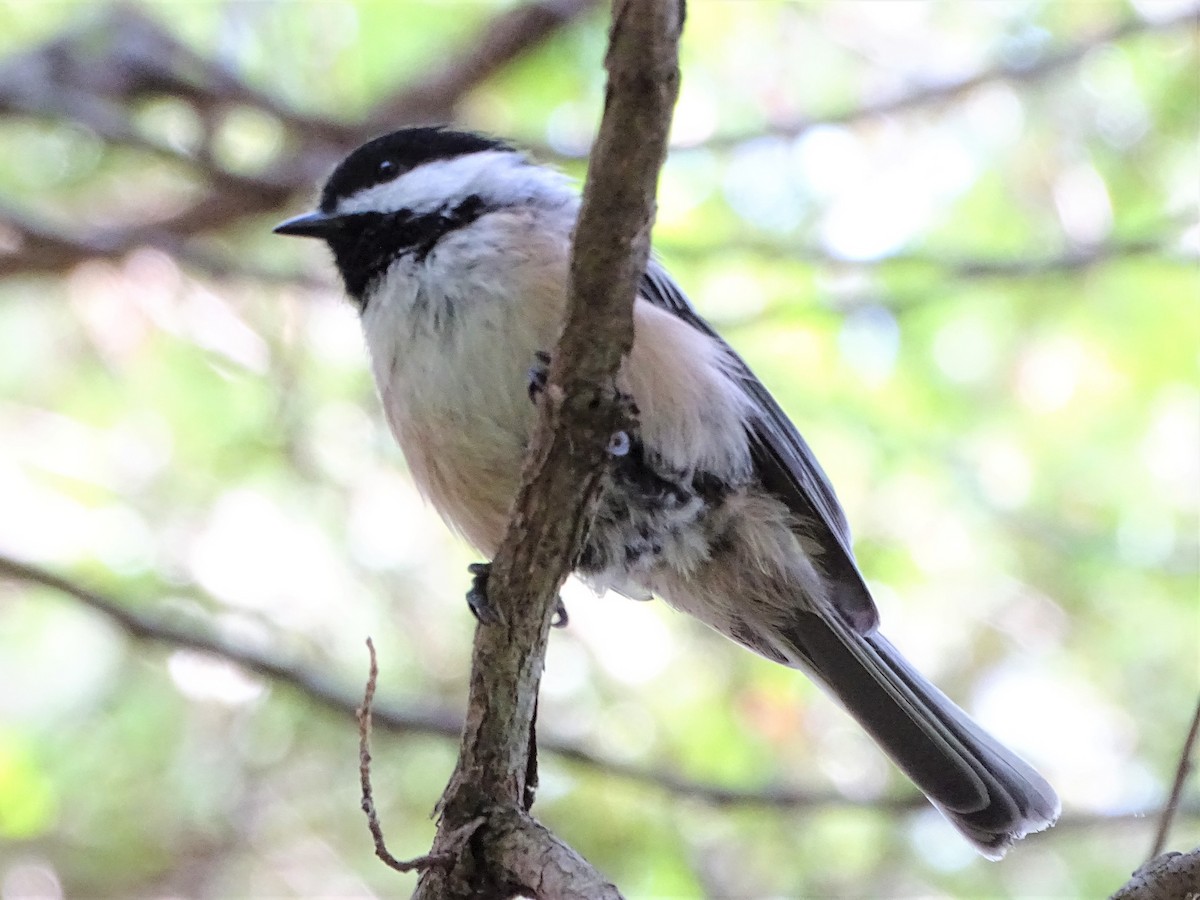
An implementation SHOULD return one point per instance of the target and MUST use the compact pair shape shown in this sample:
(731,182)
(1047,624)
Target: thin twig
(364,768)
(368,796)
(1181,773)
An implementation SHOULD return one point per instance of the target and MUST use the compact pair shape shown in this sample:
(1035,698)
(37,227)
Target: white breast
(451,340)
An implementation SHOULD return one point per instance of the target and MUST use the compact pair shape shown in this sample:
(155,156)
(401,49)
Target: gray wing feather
(785,465)
(989,794)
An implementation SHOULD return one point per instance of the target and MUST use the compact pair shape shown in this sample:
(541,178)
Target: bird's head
(400,193)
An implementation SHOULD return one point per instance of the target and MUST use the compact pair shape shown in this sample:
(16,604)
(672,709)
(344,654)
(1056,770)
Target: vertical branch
(561,479)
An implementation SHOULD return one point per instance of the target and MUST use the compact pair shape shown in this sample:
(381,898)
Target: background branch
(98,74)
(189,427)
(447,723)
(951,90)
(508,36)
(1182,771)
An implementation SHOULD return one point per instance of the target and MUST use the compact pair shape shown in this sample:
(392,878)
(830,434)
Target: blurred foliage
(981,309)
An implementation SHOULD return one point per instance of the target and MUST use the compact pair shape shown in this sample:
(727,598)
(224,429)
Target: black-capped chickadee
(454,247)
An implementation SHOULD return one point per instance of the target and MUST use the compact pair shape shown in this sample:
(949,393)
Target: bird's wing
(785,466)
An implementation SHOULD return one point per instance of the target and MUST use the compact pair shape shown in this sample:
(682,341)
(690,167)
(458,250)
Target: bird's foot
(477,597)
(481,605)
(539,375)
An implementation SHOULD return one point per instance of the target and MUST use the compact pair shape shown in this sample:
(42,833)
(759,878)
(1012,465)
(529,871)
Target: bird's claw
(560,614)
(477,597)
(481,605)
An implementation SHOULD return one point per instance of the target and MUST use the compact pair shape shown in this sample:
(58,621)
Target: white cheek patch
(500,177)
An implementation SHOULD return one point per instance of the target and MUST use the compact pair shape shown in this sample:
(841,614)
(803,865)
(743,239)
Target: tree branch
(954,89)
(506,37)
(93,74)
(1172,876)
(365,714)
(446,723)
(1181,774)
(313,685)
(407,720)
(958,266)
(561,479)
(96,74)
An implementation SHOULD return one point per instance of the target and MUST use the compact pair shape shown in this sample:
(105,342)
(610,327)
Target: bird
(454,247)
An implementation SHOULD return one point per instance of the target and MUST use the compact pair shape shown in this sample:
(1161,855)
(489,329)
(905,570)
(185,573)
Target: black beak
(313,224)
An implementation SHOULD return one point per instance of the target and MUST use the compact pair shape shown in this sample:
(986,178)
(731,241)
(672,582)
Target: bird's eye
(387,167)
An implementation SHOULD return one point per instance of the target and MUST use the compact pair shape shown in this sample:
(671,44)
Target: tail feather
(988,793)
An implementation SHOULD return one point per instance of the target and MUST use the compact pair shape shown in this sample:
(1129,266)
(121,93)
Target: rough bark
(1171,876)
(510,852)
